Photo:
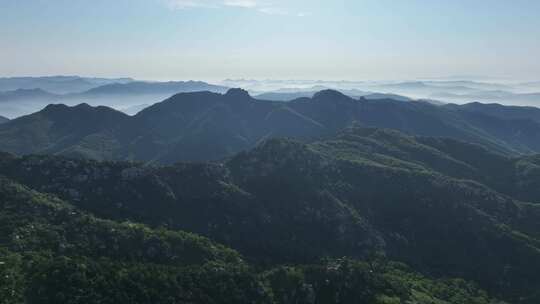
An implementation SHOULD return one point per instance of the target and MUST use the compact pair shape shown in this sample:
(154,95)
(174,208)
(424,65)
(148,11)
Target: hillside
(3,119)
(52,252)
(499,111)
(201,126)
(62,129)
(427,202)
(55,253)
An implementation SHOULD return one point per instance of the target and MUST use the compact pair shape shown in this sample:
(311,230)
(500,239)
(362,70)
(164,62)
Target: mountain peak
(55,106)
(238,93)
(330,94)
(83,105)
(82,108)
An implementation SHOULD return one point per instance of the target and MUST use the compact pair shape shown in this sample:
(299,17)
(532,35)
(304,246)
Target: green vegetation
(50,252)
(285,222)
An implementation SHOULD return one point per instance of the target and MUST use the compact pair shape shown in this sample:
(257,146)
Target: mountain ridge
(200,126)
(57,84)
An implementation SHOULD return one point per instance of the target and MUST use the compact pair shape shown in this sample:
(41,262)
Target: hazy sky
(323,39)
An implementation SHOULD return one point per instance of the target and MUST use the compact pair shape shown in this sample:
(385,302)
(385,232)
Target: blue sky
(301,39)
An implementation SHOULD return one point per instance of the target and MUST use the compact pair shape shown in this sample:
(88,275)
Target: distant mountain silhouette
(3,119)
(462,86)
(125,96)
(141,87)
(206,126)
(27,95)
(509,98)
(57,84)
(376,96)
(288,96)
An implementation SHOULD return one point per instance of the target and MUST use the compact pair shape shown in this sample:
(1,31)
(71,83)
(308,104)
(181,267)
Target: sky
(271,39)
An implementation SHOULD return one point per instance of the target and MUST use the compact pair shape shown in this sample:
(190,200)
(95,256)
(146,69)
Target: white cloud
(257,5)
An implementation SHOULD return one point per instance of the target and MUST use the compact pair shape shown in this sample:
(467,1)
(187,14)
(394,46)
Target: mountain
(27,94)
(476,85)
(458,91)
(62,129)
(456,87)
(284,96)
(150,88)
(377,96)
(3,119)
(509,98)
(57,84)
(53,252)
(24,101)
(335,111)
(500,111)
(127,96)
(288,96)
(444,207)
(240,125)
(202,126)
(464,92)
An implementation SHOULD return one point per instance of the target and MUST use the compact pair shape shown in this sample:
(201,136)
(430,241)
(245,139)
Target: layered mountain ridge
(203,126)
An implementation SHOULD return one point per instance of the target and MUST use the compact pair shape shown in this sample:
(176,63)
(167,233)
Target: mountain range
(129,97)
(459,91)
(208,197)
(531,99)
(446,208)
(202,126)
(27,94)
(24,95)
(292,94)
(150,88)
(57,84)
(466,91)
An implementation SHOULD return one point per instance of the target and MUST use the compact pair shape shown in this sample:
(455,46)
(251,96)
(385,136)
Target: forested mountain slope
(428,202)
(52,252)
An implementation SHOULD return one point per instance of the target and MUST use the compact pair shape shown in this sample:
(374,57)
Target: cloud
(260,6)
